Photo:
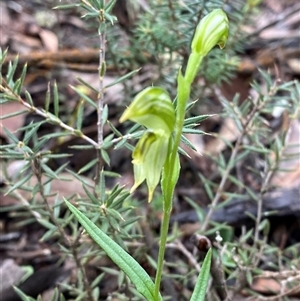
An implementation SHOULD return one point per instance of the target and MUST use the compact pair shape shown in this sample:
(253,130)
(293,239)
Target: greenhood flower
(149,157)
(153,109)
(212,30)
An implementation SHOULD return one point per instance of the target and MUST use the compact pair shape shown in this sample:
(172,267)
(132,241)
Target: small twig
(36,167)
(246,124)
(26,204)
(179,246)
(48,116)
(100,101)
(293,291)
(241,279)
(269,172)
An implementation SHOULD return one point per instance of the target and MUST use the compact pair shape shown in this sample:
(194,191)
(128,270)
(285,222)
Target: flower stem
(183,92)
(212,30)
(161,252)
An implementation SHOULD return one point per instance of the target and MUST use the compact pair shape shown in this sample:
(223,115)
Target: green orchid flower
(212,30)
(153,109)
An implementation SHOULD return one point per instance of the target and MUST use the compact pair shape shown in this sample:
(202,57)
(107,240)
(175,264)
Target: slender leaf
(87,84)
(22,295)
(120,257)
(80,112)
(122,78)
(47,98)
(19,184)
(202,281)
(85,97)
(55,100)
(13,114)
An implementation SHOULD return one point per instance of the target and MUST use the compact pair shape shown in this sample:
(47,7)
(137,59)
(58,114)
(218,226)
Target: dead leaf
(266,285)
(10,274)
(49,39)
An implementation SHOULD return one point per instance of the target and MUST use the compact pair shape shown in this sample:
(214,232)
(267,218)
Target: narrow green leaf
(18,184)
(101,187)
(101,3)
(113,194)
(114,129)
(29,134)
(202,281)
(67,6)
(13,114)
(88,166)
(11,70)
(111,174)
(85,97)
(196,119)
(188,143)
(47,224)
(49,172)
(200,212)
(97,280)
(207,186)
(22,78)
(168,185)
(105,156)
(122,78)
(55,295)
(82,180)
(130,221)
(192,131)
(260,150)
(3,55)
(55,156)
(91,196)
(79,114)
(48,235)
(55,100)
(28,98)
(10,135)
(190,105)
(109,6)
(17,86)
(122,143)
(251,193)
(47,98)
(22,295)
(87,84)
(56,207)
(117,203)
(85,146)
(120,257)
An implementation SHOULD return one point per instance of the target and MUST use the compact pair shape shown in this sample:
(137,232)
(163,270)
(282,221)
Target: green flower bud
(212,30)
(153,109)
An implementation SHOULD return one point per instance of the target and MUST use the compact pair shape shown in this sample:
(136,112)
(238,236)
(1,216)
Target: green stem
(183,92)
(161,252)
